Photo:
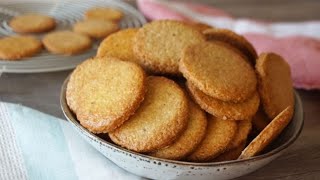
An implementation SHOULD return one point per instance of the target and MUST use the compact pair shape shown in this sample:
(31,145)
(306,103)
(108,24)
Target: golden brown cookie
(219,134)
(219,71)
(224,109)
(32,23)
(18,47)
(236,40)
(268,134)
(66,42)
(189,139)
(104,13)
(275,83)
(160,120)
(104,92)
(96,28)
(200,26)
(119,45)
(244,128)
(260,120)
(159,44)
(231,154)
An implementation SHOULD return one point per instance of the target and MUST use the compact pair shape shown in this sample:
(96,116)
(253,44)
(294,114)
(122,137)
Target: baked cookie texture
(66,42)
(32,23)
(159,121)
(104,13)
(96,28)
(19,47)
(159,44)
(275,83)
(105,92)
(231,154)
(189,139)
(219,71)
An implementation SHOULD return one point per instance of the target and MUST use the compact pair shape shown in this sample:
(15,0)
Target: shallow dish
(157,168)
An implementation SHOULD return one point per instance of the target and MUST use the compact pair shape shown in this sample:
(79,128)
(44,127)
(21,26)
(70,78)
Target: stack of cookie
(183,92)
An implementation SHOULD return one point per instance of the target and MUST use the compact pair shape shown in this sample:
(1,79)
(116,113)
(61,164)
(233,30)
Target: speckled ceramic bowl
(156,168)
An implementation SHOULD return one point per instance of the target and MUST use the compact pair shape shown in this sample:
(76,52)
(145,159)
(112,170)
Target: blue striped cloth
(36,146)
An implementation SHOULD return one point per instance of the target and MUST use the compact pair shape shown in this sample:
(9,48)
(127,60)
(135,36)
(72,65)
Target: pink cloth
(298,43)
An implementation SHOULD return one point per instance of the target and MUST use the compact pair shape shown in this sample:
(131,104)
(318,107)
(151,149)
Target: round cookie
(275,83)
(189,139)
(18,47)
(219,135)
(119,45)
(159,44)
(268,134)
(225,110)
(231,154)
(101,100)
(236,40)
(32,23)
(243,131)
(160,120)
(219,71)
(95,28)
(200,26)
(66,42)
(104,13)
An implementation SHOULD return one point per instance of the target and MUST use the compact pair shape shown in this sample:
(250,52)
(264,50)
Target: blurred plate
(66,14)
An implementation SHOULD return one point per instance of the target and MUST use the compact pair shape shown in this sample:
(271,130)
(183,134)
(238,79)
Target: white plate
(66,13)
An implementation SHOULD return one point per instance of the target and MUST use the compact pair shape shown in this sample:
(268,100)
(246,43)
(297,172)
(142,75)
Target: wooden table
(302,160)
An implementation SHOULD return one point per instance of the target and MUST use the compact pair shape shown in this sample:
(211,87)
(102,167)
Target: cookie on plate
(243,131)
(104,92)
(159,44)
(159,121)
(223,109)
(219,71)
(236,40)
(231,154)
(104,13)
(268,134)
(189,139)
(96,28)
(219,134)
(66,42)
(18,47)
(275,83)
(32,23)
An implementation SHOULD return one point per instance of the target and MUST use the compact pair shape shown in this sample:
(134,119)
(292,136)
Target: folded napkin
(298,43)
(37,146)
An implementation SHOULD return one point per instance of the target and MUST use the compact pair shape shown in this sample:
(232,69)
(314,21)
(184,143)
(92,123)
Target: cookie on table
(223,109)
(104,13)
(102,101)
(219,71)
(275,83)
(268,134)
(159,44)
(119,45)
(219,134)
(159,121)
(32,23)
(18,47)
(234,39)
(96,28)
(66,42)
(189,139)
(231,154)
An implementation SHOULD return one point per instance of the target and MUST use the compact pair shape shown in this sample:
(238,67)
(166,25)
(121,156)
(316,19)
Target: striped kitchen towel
(36,146)
(298,43)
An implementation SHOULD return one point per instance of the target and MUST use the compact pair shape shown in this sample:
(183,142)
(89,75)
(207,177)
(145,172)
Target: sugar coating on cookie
(189,139)
(236,40)
(268,134)
(275,83)
(218,71)
(18,47)
(224,109)
(219,134)
(119,45)
(159,44)
(159,121)
(32,23)
(104,13)
(104,92)
(66,42)
(96,28)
